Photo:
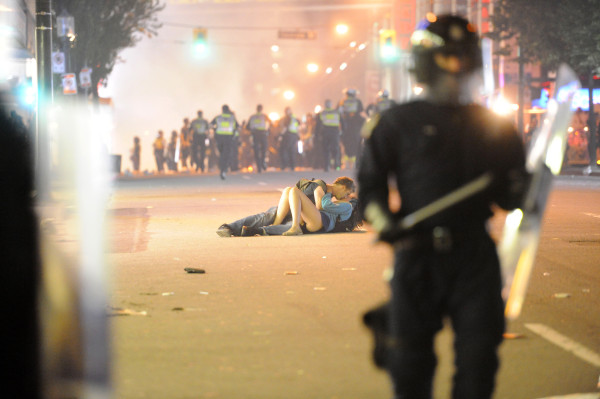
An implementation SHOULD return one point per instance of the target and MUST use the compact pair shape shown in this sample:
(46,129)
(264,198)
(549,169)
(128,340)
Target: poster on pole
(85,78)
(58,62)
(69,83)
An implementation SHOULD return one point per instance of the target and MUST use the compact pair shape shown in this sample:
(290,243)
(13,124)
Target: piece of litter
(194,270)
(546,274)
(348,268)
(127,312)
(561,295)
(319,288)
(177,309)
(148,293)
(291,273)
(203,293)
(167,293)
(324,257)
(509,335)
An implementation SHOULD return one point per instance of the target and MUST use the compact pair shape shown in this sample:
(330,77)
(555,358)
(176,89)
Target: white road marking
(594,215)
(566,343)
(576,396)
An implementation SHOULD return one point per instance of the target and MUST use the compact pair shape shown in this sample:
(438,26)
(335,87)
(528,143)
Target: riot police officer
(258,125)
(200,130)
(384,102)
(225,127)
(447,265)
(329,125)
(352,109)
(289,139)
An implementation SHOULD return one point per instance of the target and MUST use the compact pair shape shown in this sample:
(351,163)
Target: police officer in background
(384,102)
(258,125)
(200,129)
(225,127)
(352,122)
(329,128)
(447,265)
(289,139)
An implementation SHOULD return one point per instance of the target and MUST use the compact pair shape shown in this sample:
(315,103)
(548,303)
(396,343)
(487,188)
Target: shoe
(224,231)
(248,231)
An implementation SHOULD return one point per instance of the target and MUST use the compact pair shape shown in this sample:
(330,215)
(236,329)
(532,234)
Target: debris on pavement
(168,294)
(126,312)
(291,273)
(510,335)
(562,295)
(194,270)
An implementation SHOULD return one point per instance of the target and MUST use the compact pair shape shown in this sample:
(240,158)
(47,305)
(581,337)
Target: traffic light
(200,46)
(388,50)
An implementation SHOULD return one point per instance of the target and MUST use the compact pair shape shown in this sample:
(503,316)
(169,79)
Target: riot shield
(521,233)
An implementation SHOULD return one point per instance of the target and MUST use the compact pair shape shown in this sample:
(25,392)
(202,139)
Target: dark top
(431,150)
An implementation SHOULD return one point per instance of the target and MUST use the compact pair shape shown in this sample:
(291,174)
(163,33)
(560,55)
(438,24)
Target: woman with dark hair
(308,217)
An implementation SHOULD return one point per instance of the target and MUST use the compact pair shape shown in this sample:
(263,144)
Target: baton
(445,202)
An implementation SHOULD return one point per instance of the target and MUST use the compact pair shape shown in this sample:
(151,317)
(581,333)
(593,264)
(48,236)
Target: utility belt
(439,238)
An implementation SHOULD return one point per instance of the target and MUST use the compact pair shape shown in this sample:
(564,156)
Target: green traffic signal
(200,46)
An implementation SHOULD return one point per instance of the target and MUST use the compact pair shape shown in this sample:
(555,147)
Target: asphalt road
(279,317)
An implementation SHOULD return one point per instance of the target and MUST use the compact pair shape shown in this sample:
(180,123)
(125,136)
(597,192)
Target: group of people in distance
(310,206)
(446,266)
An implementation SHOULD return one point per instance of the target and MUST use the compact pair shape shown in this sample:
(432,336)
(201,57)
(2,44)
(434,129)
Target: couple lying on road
(307,207)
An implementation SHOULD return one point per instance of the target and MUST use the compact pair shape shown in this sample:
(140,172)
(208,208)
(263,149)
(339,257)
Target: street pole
(591,122)
(520,93)
(43,55)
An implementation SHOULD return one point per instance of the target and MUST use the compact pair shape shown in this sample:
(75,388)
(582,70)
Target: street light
(65,26)
(312,67)
(341,29)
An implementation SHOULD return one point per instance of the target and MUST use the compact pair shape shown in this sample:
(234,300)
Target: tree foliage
(552,31)
(105,27)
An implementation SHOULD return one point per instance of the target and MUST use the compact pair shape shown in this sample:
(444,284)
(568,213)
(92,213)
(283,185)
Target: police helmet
(350,92)
(225,109)
(327,103)
(446,35)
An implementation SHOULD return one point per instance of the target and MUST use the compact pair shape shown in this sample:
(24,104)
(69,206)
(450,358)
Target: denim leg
(279,229)
(258,220)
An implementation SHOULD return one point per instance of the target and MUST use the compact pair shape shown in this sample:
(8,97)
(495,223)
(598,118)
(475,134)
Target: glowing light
(312,67)
(417,90)
(250,168)
(274,48)
(275,66)
(289,94)
(329,70)
(361,46)
(514,218)
(352,44)
(555,155)
(274,116)
(343,66)
(317,109)
(341,29)
(502,106)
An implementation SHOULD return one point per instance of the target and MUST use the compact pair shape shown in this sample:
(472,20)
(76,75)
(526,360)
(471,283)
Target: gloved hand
(382,222)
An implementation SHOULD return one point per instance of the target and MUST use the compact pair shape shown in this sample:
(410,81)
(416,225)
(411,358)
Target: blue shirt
(335,211)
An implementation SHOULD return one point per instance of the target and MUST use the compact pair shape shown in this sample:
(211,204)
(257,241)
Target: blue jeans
(263,219)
